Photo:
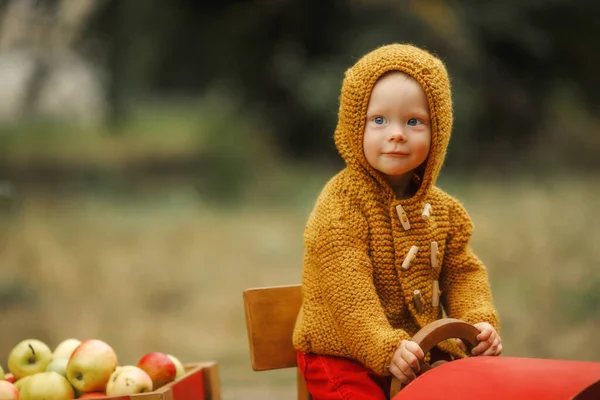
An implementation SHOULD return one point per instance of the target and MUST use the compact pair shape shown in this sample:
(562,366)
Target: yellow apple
(178,366)
(47,386)
(20,382)
(65,348)
(29,357)
(90,366)
(128,380)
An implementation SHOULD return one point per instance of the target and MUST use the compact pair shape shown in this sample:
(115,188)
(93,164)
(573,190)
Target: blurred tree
(284,61)
(41,71)
(525,50)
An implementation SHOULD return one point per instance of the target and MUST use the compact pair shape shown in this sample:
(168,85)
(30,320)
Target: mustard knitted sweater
(378,268)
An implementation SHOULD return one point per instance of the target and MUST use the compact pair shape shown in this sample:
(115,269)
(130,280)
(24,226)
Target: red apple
(128,380)
(159,367)
(92,395)
(91,365)
(10,377)
(47,386)
(28,357)
(8,391)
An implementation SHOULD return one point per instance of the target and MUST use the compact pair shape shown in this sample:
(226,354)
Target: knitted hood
(358,83)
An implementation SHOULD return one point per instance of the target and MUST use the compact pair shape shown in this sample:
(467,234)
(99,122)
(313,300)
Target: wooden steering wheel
(434,333)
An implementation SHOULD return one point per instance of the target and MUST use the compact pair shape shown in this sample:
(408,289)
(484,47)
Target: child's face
(397,131)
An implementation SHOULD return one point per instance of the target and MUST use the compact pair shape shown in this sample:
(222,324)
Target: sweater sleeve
(466,292)
(346,280)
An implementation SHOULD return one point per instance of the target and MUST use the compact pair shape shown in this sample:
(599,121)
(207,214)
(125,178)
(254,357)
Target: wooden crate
(200,382)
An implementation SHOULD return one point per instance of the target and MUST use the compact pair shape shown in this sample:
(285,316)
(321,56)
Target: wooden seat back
(270,318)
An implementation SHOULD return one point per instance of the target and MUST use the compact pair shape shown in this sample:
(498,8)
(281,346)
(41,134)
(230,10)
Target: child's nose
(398,136)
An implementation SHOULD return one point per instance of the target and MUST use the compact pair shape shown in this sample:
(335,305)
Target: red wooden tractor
(495,377)
(271,314)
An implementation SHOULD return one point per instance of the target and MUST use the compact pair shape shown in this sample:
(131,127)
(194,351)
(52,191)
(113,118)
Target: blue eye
(379,120)
(413,122)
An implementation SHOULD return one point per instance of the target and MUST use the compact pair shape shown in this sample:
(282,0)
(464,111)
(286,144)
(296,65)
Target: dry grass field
(164,270)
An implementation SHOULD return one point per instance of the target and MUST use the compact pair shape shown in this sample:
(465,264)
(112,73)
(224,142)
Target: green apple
(65,348)
(128,380)
(29,357)
(90,366)
(8,391)
(47,386)
(20,382)
(59,365)
(178,366)
(2,376)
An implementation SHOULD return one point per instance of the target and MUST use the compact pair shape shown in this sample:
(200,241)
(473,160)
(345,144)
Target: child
(385,248)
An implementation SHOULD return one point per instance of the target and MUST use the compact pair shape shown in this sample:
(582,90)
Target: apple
(20,382)
(29,357)
(159,367)
(48,386)
(8,391)
(2,376)
(90,366)
(128,380)
(178,366)
(65,348)
(92,395)
(10,377)
(59,365)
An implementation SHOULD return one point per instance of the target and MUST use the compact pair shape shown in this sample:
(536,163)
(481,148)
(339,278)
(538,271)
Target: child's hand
(490,343)
(405,361)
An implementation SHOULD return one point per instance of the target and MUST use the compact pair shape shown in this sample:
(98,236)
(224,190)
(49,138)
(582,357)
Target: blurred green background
(159,157)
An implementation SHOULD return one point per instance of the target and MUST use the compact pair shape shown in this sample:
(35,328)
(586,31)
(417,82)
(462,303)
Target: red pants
(329,377)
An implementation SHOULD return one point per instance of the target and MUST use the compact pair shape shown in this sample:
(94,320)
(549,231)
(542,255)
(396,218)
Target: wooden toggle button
(403,217)
(418,301)
(435,295)
(426,212)
(434,251)
(410,256)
